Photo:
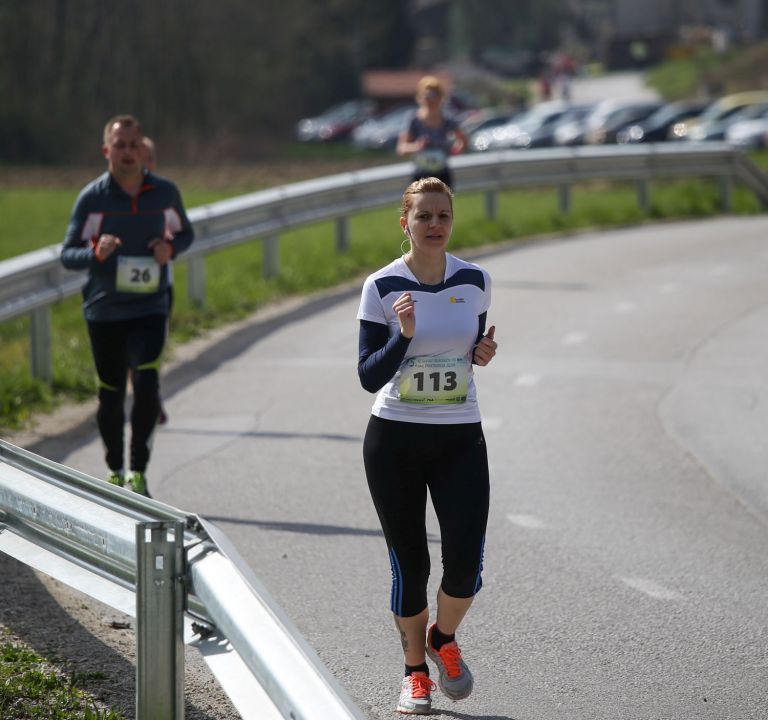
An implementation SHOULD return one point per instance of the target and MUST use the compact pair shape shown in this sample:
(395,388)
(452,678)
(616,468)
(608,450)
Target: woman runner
(422,327)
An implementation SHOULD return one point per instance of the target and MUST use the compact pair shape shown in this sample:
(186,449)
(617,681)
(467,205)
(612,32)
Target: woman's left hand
(486,348)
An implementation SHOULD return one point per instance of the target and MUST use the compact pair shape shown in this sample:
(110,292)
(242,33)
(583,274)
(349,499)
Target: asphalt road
(615,86)
(626,570)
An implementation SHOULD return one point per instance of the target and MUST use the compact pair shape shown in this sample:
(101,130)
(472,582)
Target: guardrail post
(40,343)
(643,196)
(159,621)
(271,256)
(342,234)
(196,280)
(564,198)
(490,204)
(726,185)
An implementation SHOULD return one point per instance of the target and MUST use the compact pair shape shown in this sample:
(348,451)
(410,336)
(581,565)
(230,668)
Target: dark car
(604,121)
(659,127)
(335,123)
(611,116)
(545,135)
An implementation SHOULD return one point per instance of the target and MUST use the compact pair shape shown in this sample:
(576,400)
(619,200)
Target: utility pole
(457,31)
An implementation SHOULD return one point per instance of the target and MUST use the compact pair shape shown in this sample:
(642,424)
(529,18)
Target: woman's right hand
(404,306)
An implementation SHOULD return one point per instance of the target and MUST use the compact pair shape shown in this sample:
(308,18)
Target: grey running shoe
(416,695)
(138,482)
(455,679)
(116,477)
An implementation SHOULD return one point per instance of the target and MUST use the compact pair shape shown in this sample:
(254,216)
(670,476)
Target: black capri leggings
(118,346)
(402,460)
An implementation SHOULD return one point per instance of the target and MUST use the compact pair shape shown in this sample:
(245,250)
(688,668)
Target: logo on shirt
(456,299)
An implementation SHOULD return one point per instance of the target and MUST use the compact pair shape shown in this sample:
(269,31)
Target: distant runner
(125,227)
(431,136)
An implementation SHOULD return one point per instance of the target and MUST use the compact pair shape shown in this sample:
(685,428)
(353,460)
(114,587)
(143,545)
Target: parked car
(711,121)
(336,122)
(381,132)
(749,130)
(479,130)
(611,116)
(659,127)
(545,135)
(604,122)
(517,133)
(716,129)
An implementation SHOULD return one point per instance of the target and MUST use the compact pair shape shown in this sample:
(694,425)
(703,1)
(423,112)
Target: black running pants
(118,347)
(404,460)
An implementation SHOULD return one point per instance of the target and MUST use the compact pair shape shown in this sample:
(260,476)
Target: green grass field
(35,217)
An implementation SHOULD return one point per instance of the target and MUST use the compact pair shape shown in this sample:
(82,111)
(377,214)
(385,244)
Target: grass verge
(35,689)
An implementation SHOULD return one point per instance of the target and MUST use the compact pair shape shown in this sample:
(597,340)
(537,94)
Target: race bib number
(431,159)
(137,274)
(434,380)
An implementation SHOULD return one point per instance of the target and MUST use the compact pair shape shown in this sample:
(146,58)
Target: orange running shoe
(455,679)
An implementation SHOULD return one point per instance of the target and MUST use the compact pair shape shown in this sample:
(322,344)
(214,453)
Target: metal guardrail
(30,283)
(182,580)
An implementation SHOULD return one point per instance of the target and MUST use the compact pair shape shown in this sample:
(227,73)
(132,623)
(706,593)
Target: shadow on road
(263,434)
(307,528)
(466,716)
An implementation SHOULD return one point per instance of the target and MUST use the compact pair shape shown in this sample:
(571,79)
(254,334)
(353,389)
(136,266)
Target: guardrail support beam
(564,198)
(490,204)
(271,256)
(196,280)
(643,196)
(159,621)
(342,234)
(40,343)
(726,187)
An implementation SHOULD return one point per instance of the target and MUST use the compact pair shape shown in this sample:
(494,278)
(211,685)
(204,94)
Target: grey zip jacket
(129,283)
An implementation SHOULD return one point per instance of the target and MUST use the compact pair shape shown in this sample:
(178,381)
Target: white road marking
(527,380)
(651,588)
(526,521)
(574,338)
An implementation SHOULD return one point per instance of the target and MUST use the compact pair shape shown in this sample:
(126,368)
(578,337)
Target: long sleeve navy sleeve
(380,355)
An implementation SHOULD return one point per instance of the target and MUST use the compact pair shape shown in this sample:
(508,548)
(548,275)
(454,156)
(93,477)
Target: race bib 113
(434,380)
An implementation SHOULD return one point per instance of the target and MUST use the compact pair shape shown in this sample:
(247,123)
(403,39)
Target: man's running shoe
(455,679)
(116,477)
(416,694)
(138,482)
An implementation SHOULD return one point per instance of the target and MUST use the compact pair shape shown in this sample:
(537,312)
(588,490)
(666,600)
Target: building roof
(398,83)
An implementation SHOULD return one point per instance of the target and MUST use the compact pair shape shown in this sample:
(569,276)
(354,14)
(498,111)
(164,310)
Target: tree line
(207,79)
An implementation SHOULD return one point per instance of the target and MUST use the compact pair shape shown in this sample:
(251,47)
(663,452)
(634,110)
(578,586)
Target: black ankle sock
(438,639)
(417,668)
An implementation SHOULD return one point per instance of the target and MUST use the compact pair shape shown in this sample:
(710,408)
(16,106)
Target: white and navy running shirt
(433,380)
